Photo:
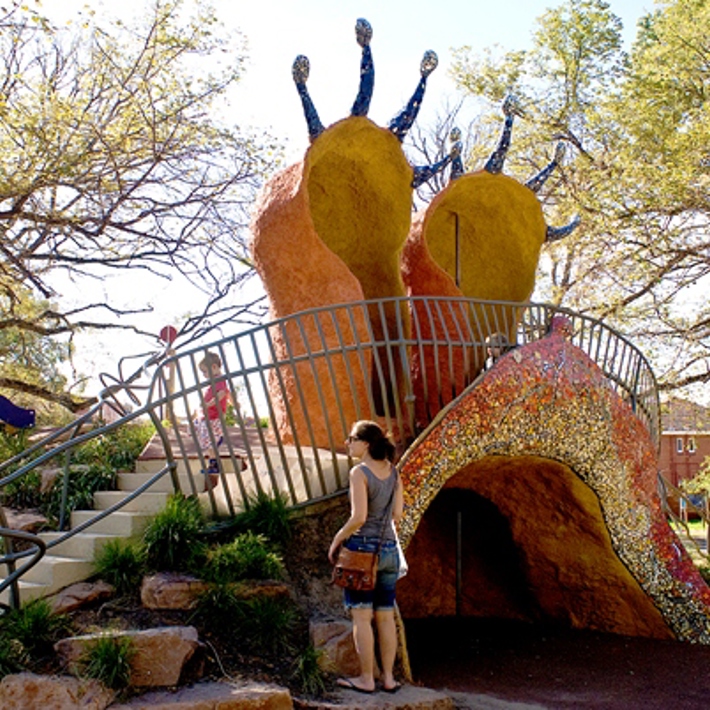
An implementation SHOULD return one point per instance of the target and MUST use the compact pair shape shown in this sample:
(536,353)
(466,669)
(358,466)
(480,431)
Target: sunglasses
(352,438)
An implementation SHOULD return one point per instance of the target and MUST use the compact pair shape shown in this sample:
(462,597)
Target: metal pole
(458,562)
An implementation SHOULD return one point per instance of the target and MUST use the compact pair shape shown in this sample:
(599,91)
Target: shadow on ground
(554,668)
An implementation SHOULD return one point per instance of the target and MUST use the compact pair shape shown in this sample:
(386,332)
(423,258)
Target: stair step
(58,572)
(131,481)
(184,466)
(120,524)
(28,591)
(83,545)
(147,502)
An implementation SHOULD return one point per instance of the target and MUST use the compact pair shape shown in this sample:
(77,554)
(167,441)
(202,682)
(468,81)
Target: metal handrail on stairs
(665,487)
(398,360)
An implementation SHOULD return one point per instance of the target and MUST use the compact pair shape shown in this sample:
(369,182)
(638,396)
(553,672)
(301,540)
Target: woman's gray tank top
(379,494)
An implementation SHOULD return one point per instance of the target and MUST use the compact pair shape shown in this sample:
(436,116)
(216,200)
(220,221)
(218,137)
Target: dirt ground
(533,667)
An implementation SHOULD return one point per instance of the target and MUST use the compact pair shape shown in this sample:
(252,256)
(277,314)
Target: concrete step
(131,481)
(147,502)
(58,572)
(28,591)
(119,524)
(190,464)
(83,545)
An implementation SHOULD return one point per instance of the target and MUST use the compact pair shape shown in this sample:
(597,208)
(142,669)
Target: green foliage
(267,516)
(219,607)
(118,449)
(173,539)
(307,671)
(122,563)
(266,624)
(83,483)
(700,483)
(248,556)
(12,656)
(108,659)
(24,492)
(35,626)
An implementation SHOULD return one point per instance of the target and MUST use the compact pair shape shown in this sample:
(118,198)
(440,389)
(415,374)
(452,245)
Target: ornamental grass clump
(173,539)
(122,563)
(108,659)
(248,556)
(307,672)
(36,627)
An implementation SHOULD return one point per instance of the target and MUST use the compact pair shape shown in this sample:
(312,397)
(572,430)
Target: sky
(276,32)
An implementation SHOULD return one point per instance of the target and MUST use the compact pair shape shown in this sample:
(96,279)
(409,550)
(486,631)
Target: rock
(410,697)
(25,520)
(161,654)
(262,588)
(171,590)
(79,594)
(214,696)
(334,637)
(27,691)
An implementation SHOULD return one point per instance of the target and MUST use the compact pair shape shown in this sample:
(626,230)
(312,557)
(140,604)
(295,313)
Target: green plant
(117,449)
(122,563)
(248,556)
(266,624)
(35,626)
(24,492)
(84,481)
(268,516)
(264,422)
(108,659)
(12,656)
(173,538)
(307,671)
(219,608)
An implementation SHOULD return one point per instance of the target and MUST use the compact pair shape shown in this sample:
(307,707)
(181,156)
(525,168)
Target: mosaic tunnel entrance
(519,540)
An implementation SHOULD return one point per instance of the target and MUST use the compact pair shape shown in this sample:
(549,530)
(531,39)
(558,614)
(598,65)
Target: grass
(248,556)
(173,539)
(268,516)
(307,672)
(122,563)
(35,627)
(108,659)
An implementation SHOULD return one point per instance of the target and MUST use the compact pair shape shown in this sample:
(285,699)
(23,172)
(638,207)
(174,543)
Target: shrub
(266,624)
(122,563)
(267,516)
(118,449)
(35,626)
(307,672)
(24,492)
(108,659)
(219,608)
(173,538)
(83,483)
(248,556)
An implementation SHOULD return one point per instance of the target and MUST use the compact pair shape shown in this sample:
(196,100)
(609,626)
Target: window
(691,445)
(679,444)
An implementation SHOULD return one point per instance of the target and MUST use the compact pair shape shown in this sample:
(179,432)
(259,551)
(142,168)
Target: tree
(638,127)
(112,159)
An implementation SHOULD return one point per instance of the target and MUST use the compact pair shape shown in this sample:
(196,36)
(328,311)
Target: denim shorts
(381,598)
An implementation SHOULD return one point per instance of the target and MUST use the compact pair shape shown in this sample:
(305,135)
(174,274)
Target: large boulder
(161,655)
(27,691)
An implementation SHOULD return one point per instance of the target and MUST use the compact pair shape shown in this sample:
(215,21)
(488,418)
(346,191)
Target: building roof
(681,415)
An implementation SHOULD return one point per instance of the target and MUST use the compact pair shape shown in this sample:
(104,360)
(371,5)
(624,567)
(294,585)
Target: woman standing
(376,503)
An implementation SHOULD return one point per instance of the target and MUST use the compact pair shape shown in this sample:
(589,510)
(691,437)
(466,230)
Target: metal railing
(307,377)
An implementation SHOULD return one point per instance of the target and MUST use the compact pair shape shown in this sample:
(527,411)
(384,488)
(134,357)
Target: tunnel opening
(514,546)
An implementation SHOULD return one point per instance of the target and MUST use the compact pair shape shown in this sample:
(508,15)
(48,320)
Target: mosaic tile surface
(549,399)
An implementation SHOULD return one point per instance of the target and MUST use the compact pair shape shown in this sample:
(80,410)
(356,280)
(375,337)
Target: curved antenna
(300,70)
(363,34)
(540,179)
(554,234)
(457,168)
(401,123)
(426,172)
(497,159)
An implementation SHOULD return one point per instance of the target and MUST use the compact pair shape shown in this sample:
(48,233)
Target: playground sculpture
(337,228)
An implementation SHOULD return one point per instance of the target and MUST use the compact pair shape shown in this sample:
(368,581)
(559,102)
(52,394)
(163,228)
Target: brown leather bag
(355,570)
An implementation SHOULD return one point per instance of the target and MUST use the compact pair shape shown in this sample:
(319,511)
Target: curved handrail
(398,360)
